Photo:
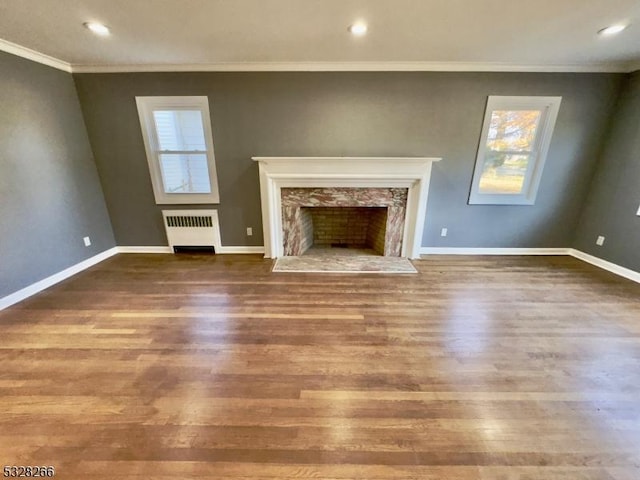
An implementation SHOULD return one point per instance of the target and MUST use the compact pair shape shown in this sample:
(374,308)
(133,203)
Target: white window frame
(549,106)
(146,107)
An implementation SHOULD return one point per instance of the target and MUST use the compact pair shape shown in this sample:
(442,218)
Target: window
(179,146)
(513,147)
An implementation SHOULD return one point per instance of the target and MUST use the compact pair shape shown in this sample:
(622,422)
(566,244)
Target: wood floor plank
(203,366)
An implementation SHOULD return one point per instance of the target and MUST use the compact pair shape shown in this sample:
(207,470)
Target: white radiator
(192,228)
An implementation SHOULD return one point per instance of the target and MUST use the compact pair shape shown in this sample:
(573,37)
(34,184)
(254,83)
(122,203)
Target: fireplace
(290,185)
(357,217)
(360,228)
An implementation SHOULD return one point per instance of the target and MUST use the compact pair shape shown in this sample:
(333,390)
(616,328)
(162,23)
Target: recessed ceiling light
(612,30)
(358,29)
(97,28)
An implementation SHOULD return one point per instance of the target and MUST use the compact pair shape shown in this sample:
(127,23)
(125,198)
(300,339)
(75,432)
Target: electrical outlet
(600,241)
(443,232)
(249,231)
(87,241)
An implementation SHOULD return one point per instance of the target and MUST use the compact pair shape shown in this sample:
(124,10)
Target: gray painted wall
(50,195)
(614,197)
(353,114)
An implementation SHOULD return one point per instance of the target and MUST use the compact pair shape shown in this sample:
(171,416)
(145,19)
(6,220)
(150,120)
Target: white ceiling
(502,35)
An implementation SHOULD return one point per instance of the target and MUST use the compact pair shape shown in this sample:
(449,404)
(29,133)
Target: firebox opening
(360,229)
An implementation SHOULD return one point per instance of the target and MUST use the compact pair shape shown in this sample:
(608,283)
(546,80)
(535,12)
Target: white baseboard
(240,249)
(144,249)
(598,262)
(55,278)
(605,265)
(89,262)
(492,251)
(222,250)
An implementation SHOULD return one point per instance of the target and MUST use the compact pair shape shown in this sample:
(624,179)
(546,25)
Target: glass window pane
(179,129)
(513,130)
(503,173)
(185,173)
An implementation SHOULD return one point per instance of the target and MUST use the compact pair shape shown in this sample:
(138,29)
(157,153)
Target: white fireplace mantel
(413,173)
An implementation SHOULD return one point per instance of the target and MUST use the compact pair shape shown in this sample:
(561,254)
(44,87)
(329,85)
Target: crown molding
(32,55)
(391,66)
(354,67)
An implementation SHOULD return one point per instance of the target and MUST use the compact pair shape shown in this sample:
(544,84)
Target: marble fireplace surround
(412,173)
(393,200)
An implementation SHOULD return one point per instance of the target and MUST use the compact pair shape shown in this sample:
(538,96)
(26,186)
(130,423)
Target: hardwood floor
(165,367)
